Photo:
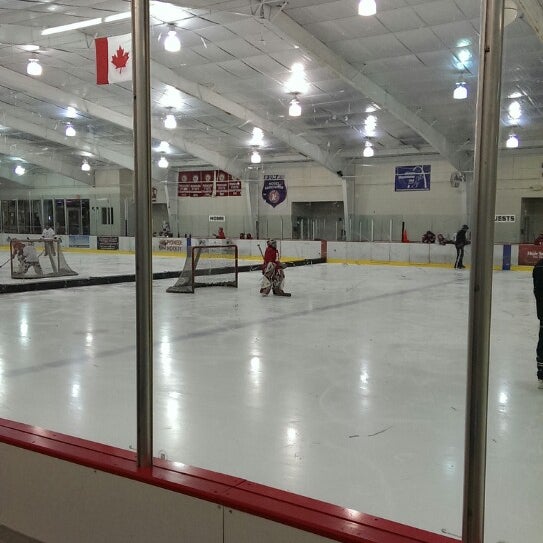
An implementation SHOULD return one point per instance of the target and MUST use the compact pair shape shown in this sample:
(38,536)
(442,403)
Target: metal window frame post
(141,85)
(480,286)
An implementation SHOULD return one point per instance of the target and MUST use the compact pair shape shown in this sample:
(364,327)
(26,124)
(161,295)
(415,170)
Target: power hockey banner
(274,190)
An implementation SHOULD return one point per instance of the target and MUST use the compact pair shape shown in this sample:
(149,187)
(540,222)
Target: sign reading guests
(207,183)
(409,178)
(274,190)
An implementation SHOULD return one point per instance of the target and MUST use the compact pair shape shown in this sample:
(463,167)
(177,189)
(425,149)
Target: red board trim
(326,520)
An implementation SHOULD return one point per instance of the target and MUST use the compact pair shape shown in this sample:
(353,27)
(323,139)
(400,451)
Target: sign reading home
(411,178)
(194,184)
(274,190)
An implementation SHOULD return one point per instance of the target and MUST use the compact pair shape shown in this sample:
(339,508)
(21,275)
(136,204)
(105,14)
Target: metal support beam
(210,97)
(53,95)
(533,15)
(48,161)
(276,19)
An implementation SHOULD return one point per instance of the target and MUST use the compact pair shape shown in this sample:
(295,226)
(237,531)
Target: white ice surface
(352,391)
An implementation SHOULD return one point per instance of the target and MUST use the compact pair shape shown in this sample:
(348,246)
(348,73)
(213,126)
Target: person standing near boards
(460,242)
(537,277)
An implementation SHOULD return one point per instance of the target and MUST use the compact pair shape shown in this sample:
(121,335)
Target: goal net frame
(48,260)
(199,269)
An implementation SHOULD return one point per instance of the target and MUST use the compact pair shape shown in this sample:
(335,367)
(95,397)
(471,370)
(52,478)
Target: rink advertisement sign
(79,241)
(170,244)
(528,255)
(195,184)
(274,190)
(412,178)
(107,243)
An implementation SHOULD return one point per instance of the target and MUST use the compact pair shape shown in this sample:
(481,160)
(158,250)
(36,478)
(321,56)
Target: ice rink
(351,392)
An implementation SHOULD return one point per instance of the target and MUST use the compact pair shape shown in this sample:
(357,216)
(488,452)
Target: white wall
(443,209)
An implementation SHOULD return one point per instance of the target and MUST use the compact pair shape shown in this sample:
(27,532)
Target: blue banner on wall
(274,190)
(412,178)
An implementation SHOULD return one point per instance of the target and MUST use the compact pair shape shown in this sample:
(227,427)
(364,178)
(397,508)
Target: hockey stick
(261,253)
(2,265)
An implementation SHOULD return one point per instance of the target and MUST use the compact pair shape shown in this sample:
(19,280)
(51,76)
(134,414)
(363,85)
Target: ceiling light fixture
(34,67)
(295,109)
(163,147)
(169,122)
(366,8)
(460,91)
(368,149)
(512,141)
(515,110)
(70,130)
(163,162)
(255,157)
(172,43)
(85,166)
(19,170)
(258,137)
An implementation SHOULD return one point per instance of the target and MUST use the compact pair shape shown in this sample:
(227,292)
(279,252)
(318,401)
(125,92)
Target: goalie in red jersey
(273,276)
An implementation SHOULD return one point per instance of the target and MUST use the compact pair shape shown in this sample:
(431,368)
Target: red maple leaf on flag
(119,59)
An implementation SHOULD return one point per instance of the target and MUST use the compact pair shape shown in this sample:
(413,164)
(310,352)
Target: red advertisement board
(528,255)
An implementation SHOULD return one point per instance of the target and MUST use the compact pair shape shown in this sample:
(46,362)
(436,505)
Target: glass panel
(36,217)
(23,217)
(60,217)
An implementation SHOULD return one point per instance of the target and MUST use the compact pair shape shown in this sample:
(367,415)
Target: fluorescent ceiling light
(19,170)
(366,8)
(163,162)
(30,48)
(70,131)
(118,17)
(515,94)
(72,26)
(71,112)
(85,166)
(171,98)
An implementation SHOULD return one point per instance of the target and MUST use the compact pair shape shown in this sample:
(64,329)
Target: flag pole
(141,86)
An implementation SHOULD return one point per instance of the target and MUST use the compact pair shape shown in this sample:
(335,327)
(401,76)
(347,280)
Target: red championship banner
(528,255)
(194,184)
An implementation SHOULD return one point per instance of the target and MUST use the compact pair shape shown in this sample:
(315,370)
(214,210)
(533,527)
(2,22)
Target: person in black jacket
(460,242)
(537,276)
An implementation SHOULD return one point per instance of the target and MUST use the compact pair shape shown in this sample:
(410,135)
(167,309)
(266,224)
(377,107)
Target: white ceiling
(235,58)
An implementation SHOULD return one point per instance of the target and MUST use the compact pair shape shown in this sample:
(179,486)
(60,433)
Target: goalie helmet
(272,243)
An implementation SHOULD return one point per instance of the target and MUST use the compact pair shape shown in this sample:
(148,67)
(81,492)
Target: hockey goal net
(37,259)
(208,266)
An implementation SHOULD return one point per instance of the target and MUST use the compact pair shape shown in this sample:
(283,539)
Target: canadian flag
(113,59)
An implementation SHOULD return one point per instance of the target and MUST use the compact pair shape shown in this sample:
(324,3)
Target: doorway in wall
(317,220)
(531,210)
(160,214)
